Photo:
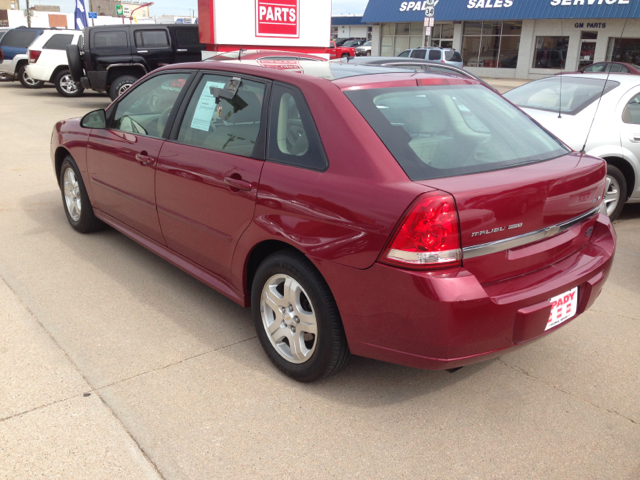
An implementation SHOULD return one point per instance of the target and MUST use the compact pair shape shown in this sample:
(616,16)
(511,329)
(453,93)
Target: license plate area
(563,307)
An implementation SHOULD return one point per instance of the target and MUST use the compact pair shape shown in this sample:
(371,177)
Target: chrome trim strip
(520,240)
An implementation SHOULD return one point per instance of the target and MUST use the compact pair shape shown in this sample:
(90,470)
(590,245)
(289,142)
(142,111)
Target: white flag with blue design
(81,21)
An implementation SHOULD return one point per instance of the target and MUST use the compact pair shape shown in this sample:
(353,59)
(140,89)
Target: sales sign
(278,18)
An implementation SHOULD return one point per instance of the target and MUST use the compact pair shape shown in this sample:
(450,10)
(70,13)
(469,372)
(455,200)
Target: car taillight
(34,55)
(428,236)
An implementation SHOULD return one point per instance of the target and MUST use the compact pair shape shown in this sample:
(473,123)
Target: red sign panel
(278,18)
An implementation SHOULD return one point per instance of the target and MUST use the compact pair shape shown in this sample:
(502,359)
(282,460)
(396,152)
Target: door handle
(636,138)
(181,49)
(143,51)
(144,159)
(237,183)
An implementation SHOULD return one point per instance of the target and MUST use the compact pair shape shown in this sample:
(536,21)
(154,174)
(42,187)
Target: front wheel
(66,86)
(615,194)
(121,85)
(297,319)
(368,54)
(75,199)
(26,80)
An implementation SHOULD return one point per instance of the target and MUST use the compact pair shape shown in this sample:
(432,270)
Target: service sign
(282,23)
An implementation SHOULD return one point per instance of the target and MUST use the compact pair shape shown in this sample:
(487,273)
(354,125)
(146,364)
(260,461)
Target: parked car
(354,42)
(364,49)
(340,52)
(448,229)
(436,54)
(608,67)
(568,105)
(342,41)
(13,55)
(48,60)
(112,58)
(3,30)
(417,65)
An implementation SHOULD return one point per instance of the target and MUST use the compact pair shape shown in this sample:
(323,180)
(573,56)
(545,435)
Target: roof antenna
(240,53)
(613,54)
(561,70)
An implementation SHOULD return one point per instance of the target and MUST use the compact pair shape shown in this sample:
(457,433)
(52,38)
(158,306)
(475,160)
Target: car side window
(405,53)
(293,137)
(187,37)
(110,39)
(617,68)
(146,109)
(596,68)
(230,126)
(631,113)
(418,54)
(435,54)
(332,45)
(58,42)
(151,38)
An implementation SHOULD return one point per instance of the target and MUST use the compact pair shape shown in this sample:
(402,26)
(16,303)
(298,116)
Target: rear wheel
(26,80)
(66,86)
(345,55)
(368,54)
(297,319)
(121,85)
(615,194)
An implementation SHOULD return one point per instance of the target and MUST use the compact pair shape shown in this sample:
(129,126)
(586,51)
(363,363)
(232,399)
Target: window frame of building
(437,39)
(401,36)
(536,61)
(490,36)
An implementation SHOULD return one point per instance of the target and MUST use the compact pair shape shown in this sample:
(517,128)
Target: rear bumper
(40,72)
(8,67)
(448,319)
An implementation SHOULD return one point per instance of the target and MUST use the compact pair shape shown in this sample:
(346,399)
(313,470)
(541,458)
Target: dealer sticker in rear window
(563,307)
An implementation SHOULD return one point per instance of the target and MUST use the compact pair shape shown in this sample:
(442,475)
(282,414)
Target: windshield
(445,131)
(576,94)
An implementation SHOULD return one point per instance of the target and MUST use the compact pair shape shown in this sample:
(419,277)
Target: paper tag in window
(205,108)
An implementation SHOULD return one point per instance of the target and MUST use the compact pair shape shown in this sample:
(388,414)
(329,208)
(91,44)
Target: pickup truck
(111,58)
(340,52)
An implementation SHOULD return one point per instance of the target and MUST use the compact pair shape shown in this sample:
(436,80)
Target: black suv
(111,58)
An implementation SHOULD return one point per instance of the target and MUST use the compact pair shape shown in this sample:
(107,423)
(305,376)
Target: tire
(75,62)
(75,200)
(26,80)
(615,195)
(66,86)
(368,54)
(345,55)
(321,350)
(121,85)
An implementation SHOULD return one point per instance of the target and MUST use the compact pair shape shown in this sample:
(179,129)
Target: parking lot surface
(115,364)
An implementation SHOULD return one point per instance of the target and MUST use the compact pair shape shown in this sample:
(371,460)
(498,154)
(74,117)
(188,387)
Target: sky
(184,7)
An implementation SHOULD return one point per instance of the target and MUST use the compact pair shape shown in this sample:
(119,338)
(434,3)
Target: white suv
(48,60)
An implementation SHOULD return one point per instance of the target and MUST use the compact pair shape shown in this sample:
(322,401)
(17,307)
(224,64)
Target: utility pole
(28,15)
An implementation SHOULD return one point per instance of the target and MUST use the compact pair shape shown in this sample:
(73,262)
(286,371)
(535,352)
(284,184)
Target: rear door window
(151,38)
(19,38)
(435,55)
(58,42)
(110,39)
(293,136)
(187,37)
(452,56)
(229,126)
(451,130)
(418,54)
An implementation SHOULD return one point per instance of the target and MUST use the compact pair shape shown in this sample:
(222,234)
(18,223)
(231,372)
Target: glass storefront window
(397,37)
(551,52)
(491,44)
(441,36)
(625,50)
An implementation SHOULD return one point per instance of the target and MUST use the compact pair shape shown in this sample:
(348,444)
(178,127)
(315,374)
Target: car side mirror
(95,119)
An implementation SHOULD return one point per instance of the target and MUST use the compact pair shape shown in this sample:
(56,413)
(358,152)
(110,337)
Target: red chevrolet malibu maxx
(419,219)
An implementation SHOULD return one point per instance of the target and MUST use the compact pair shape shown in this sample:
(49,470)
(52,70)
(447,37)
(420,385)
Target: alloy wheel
(611,195)
(124,88)
(289,318)
(27,79)
(68,85)
(72,194)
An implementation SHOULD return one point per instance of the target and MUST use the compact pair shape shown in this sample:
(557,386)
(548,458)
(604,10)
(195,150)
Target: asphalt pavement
(116,365)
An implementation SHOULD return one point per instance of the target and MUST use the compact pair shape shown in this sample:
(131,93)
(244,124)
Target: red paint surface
(342,218)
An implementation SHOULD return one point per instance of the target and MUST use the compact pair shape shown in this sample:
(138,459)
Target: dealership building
(512,38)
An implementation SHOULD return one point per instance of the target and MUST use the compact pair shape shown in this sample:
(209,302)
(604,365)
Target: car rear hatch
(524,201)
(520,220)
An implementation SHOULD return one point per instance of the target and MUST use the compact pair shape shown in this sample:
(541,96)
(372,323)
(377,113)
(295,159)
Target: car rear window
(58,42)
(19,38)
(111,39)
(568,95)
(450,130)
(187,36)
(452,56)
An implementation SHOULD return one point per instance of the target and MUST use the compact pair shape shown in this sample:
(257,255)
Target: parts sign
(277,18)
